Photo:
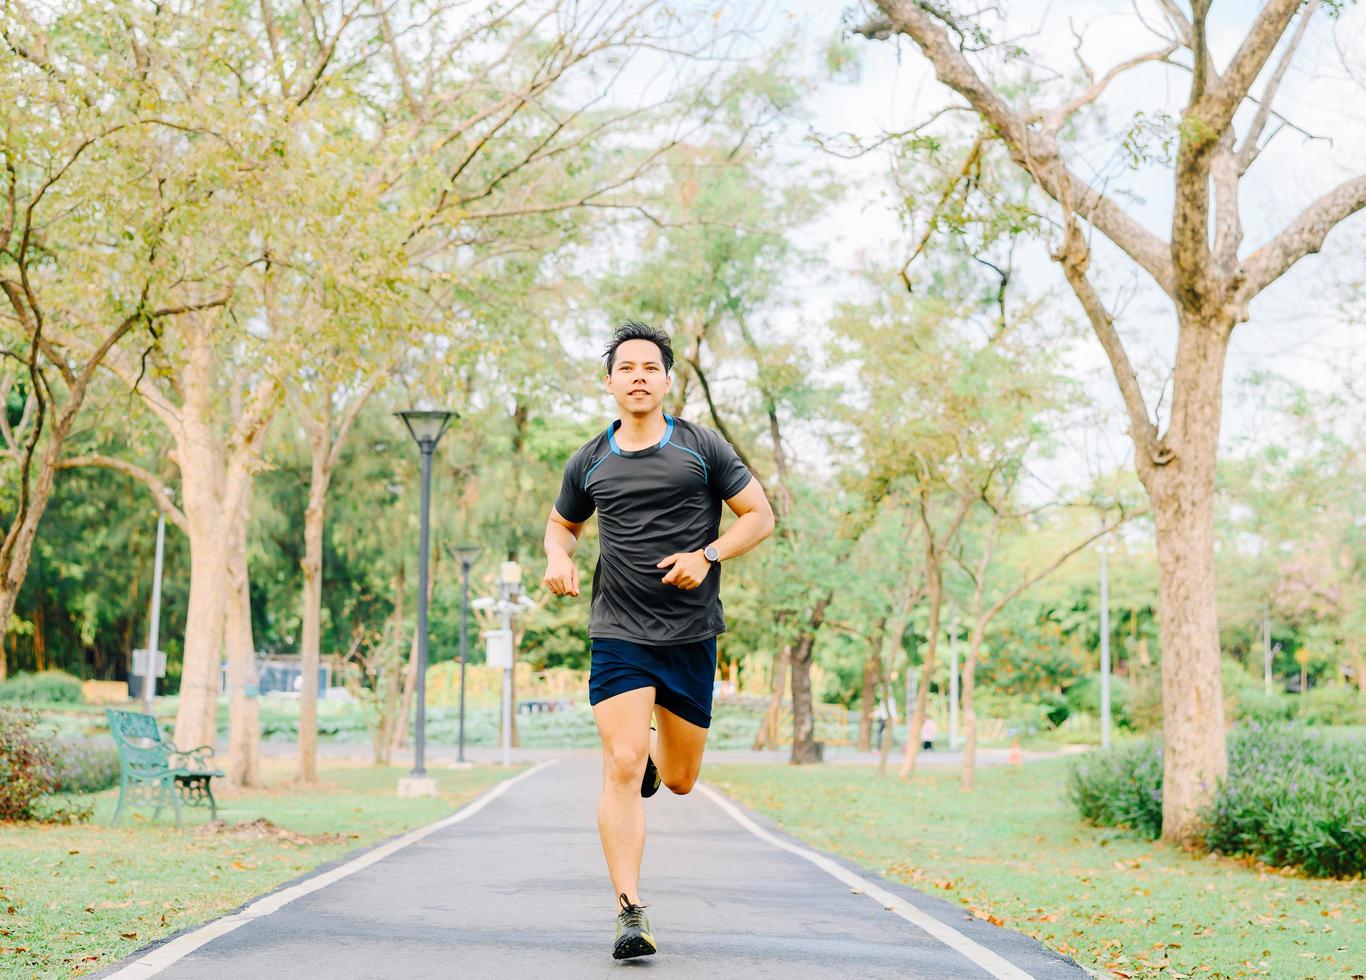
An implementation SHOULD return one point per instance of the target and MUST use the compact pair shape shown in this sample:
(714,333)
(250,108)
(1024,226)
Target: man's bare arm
(755,522)
(687,570)
(561,538)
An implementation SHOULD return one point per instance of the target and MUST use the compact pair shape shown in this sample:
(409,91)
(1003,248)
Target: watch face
(711,554)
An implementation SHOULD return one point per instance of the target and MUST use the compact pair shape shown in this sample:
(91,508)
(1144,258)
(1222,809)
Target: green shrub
(1083,697)
(1144,705)
(49,686)
(1121,788)
(1335,704)
(1055,707)
(1255,705)
(27,772)
(1293,797)
(85,765)
(26,768)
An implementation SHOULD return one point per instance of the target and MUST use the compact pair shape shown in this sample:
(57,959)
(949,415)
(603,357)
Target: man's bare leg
(677,750)
(624,724)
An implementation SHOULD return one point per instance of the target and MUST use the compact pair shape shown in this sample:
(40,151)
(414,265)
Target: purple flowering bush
(85,765)
(1293,797)
(1120,788)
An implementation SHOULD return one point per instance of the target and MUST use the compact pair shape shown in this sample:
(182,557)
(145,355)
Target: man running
(657,483)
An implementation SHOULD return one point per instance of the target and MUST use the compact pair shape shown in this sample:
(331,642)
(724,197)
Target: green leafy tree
(1201,267)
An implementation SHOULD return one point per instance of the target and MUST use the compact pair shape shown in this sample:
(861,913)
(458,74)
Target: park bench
(155,773)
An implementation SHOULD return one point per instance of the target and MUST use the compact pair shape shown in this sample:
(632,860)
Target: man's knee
(682,782)
(625,763)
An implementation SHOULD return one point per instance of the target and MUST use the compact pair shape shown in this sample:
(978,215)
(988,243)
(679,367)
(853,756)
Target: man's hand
(689,569)
(561,575)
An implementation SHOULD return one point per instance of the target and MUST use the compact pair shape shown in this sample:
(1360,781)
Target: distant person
(657,483)
(927,733)
(886,709)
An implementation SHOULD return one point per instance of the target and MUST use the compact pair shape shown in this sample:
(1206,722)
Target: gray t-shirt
(652,503)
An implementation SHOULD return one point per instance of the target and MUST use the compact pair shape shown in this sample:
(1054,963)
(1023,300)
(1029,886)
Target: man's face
(638,381)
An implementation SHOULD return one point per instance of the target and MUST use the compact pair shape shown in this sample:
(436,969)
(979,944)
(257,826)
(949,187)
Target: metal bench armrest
(196,758)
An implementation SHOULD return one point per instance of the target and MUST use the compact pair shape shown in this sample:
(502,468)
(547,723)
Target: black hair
(635,330)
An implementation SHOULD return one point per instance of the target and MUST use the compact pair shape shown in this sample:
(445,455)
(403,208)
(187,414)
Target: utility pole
(150,661)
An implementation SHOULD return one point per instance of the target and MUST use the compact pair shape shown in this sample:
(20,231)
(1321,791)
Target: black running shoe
(633,932)
(649,783)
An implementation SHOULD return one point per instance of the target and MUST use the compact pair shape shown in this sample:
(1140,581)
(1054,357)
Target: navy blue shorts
(681,674)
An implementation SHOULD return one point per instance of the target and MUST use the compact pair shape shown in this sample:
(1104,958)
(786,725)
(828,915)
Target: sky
(1301,328)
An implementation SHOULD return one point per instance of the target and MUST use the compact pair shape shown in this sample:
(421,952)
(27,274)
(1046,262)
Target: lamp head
(468,553)
(426,427)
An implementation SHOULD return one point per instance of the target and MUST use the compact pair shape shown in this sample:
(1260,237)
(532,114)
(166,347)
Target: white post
(953,685)
(149,677)
(507,688)
(509,588)
(1104,645)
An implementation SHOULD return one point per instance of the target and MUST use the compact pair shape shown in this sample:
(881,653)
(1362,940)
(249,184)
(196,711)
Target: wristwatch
(711,554)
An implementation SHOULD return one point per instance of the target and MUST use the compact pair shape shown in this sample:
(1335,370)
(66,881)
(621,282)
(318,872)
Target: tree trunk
(967,694)
(1182,493)
(917,717)
(201,473)
(398,733)
(39,640)
(762,739)
(884,749)
(805,748)
(16,546)
(244,705)
(16,551)
(868,696)
(385,672)
(311,633)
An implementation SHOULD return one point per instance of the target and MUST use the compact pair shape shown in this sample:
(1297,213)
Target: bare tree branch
(1053,119)
(1249,150)
(148,479)
(1303,236)
(1214,108)
(1054,565)
(1036,152)
(1075,257)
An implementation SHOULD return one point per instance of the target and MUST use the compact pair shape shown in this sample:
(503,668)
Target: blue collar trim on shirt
(668,434)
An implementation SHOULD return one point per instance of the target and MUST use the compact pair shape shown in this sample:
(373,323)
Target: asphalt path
(515,886)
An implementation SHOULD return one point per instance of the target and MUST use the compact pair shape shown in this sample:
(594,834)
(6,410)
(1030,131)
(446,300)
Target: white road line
(177,949)
(990,961)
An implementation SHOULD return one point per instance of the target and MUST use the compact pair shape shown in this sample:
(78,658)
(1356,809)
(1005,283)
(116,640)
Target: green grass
(75,899)
(1014,852)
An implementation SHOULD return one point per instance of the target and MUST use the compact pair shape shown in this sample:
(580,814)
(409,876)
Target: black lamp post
(467,553)
(427,428)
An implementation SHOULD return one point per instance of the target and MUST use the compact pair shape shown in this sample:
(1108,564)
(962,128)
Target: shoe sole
(648,790)
(629,947)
